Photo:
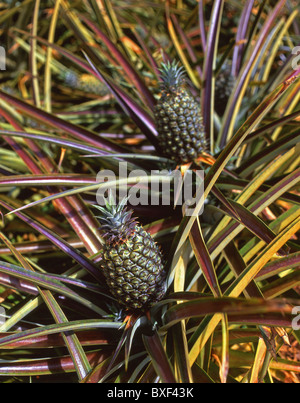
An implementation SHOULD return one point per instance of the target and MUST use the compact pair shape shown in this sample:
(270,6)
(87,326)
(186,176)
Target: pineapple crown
(172,76)
(117,223)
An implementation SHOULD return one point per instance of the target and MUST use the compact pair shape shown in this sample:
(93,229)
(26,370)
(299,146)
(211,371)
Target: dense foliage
(77,96)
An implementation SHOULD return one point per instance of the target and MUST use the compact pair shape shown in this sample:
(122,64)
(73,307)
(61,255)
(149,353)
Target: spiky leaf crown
(173,76)
(117,223)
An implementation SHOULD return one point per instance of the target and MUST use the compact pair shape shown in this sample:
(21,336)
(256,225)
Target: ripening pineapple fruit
(223,88)
(84,82)
(181,135)
(131,260)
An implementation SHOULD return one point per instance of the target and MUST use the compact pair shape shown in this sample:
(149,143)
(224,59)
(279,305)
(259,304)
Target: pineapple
(223,88)
(181,134)
(131,260)
(84,82)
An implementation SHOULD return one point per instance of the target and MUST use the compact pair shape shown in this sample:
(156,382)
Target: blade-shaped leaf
(253,268)
(42,280)
(242,133)
(209,66)
(75,348)
(70,326)
(182,365)
(47,366)
(122,61)
(59,242)
(159,358)
(142,119)
(240,37)
(203,258)
(79,146)
(257,226)
(87,338)
(233,306)
(58,123)
(245,75)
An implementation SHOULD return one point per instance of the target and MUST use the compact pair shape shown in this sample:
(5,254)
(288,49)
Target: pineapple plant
(181,134)
(131,260)
(67,286)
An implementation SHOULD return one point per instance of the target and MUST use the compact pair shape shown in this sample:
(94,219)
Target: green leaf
(159,358)
(231,306)
(47,282)
(70,326)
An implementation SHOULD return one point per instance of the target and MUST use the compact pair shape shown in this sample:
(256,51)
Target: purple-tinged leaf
(86,338)
(278,189)
(141,118)
(181,353)
(245,73)
(148,52)
(241,183)
(75,211)
(263,319)
(129,70)
(71,326)
(275,191)
(240,37)
(203,258)
(238,285)
(227,203)
(78,283)
(243,132)
(69,55)
(281,285)
(202,25)
(48,366)
(79,358)
(48,221)
(238,335)
(256,226)
(237,264)
(58,123)
(31,163)
(75,254)
(40,246)
(187,295)
(47,180)
(32,55)
(231,306)
(44,281)
(18,284)
(74,347)
(78,146)
(271,126)
(209,61)
(268,153)
(279,265)
(187,44)
(159,358)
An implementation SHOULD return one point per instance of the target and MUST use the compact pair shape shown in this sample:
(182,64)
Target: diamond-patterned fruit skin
(181,135)
(134,270)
